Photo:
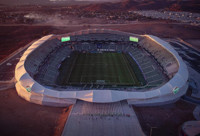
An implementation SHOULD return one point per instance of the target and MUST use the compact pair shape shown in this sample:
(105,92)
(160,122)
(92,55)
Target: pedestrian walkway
(94,119)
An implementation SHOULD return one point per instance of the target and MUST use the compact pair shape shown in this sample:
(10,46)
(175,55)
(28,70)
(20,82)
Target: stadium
(101,66)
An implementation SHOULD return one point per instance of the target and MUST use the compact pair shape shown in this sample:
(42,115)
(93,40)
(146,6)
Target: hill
(190,5)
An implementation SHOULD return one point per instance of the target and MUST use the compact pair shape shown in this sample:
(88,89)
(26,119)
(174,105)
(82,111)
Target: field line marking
(128,68)
(119,79)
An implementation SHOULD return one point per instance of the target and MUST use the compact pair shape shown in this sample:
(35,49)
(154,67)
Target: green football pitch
(99,68)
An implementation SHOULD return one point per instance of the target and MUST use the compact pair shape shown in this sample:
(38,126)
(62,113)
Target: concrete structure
(190,128)
(31,90)
(196,113)
(110,119)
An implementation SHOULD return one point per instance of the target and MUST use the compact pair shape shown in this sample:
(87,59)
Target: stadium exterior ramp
(34,92)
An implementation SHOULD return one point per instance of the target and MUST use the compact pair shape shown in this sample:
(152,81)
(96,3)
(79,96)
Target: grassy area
(98,68)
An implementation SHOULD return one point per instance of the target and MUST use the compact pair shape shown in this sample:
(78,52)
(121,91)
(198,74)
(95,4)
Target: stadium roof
(44,95)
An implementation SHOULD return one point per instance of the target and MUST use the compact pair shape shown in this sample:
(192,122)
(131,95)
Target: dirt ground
(164,120)
(195,43)
(21,118)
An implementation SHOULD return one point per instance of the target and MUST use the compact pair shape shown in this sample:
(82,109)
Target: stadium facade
(164,72)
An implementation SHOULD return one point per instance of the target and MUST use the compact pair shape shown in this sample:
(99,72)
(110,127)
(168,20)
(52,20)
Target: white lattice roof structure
(51,96)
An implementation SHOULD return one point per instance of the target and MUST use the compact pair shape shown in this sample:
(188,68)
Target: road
(97,25)
(7,68)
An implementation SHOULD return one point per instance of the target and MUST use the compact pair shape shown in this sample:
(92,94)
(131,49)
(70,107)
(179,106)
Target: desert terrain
(21,25)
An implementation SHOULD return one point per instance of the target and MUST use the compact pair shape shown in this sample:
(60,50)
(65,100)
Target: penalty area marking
(128,69)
